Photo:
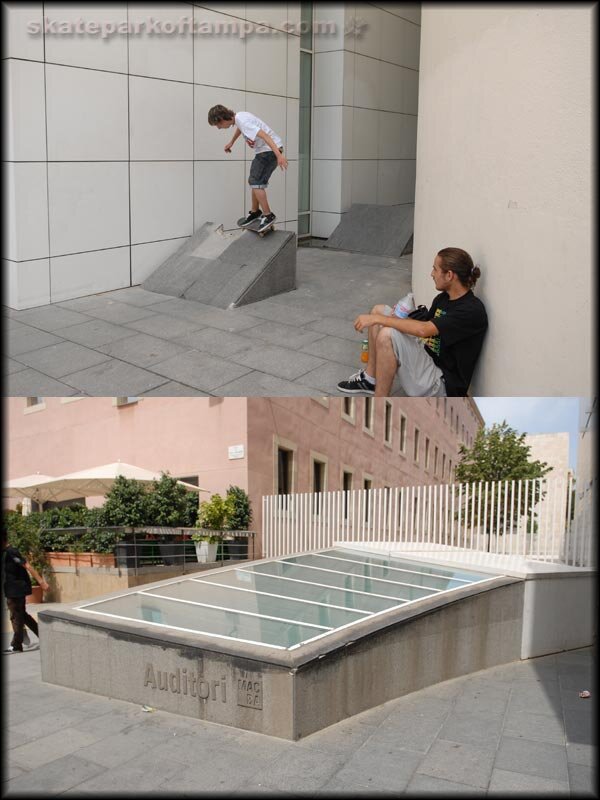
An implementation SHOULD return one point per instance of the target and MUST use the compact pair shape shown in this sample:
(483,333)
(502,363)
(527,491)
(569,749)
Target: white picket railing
(504,517)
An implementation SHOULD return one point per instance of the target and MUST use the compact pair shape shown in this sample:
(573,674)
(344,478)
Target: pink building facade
(264,445)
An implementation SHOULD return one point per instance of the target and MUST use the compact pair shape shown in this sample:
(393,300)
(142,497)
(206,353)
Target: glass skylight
(286,603)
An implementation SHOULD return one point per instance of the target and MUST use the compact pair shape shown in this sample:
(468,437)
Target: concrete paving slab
(174,389)
(140,774)
(342,328)
(60,359)
(136,296)
(428,785)
(459,762)
(83,304)
(260,384)
(55,777)
(379,766)
(10,366)
(49,318)
(200,370)
(164,326)
(578,753)
(27,339)
(287,335)
(142,350)
(31,383)
(214,341)
(580,725)
(539,727)
(342,351)
(544,759)
(278,361)
(506,782)
(325,378)
(307,771)
(279,312)
(94,333)
(583,780)
(50,747)
(121,747)
(120,313)
(124,379)
(482,729)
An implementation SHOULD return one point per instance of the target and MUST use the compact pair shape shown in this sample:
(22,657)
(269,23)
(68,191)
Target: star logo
(356,26)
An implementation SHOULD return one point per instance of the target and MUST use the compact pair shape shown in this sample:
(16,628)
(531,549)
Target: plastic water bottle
(364,352)
(404,306)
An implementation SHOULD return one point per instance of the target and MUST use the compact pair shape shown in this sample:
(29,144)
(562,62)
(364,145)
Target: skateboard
(254,226)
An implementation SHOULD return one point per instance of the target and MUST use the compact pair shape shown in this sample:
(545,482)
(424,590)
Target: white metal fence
(541,519)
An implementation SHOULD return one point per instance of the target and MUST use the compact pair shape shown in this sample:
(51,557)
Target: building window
(462,433)
(285,463)
(446,409)
(125,401)
(426,464)
(305,120)
(33,401)
(347,488)
(443,465)
(318,476)
(450,475)
(368,415)
(348,409)
(368,485)
(416,446)
(435,460)
(403,426)
(388,423)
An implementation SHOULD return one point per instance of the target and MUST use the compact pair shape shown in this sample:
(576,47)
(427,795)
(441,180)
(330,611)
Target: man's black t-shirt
(462,324)
(16,580)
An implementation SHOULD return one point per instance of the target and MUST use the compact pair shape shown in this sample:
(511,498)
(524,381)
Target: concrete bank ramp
(373,229)
(228,268)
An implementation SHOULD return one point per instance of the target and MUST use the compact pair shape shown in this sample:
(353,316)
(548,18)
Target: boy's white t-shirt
(250,125)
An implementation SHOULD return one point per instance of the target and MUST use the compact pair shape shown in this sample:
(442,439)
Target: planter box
(36,596)
(206,552)
(57,560)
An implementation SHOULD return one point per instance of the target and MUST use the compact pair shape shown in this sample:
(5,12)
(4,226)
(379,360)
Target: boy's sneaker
(357,384)
(266,221)
(12,649)
(252,216)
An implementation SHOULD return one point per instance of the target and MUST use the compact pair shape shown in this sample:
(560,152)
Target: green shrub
(239,512)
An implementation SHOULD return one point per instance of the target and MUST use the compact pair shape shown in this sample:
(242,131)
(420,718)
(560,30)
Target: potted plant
(206,546)
(211,520)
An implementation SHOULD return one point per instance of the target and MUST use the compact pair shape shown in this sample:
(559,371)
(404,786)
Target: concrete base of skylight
(287,693)
(559,601)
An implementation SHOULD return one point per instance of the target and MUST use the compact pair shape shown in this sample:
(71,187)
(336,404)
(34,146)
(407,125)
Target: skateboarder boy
(268,148)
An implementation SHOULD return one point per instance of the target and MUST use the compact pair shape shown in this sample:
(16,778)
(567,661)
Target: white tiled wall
(365,115)
(111,161)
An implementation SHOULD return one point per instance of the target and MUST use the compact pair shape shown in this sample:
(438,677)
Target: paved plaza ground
(518,728)
(133,342)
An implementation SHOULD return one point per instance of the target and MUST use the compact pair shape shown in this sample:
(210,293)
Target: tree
(500,454)
(239,511)
(127,503)
(167,502)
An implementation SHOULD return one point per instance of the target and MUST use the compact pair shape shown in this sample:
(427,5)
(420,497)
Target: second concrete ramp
(377,230)
(228,268)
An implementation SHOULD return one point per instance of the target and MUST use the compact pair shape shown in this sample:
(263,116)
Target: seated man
(433,357)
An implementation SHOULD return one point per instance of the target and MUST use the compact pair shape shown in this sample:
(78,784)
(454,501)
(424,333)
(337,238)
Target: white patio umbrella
(32,487)
(92,482)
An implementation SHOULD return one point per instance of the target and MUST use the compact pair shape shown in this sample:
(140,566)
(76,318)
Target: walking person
(268,149)
(16,585)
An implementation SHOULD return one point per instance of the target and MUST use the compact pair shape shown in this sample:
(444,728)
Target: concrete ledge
(286,693)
